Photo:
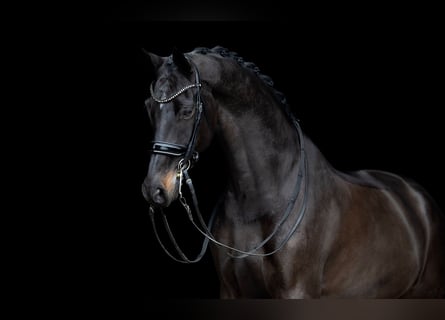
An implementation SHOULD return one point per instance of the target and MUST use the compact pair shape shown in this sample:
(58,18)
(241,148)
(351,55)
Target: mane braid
(224,52)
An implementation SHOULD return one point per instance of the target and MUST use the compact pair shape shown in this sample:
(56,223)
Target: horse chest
(244,277)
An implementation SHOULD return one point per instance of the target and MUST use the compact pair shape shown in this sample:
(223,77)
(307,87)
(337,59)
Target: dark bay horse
(288,225)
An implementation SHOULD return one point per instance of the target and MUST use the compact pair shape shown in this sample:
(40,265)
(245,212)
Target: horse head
(182,124)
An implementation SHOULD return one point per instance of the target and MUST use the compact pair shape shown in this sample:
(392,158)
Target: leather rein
(189,155)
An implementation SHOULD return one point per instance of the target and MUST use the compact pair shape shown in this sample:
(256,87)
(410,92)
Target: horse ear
(155,60)
(181,61)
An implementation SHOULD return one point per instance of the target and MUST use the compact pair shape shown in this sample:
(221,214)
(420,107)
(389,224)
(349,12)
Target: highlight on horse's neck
(260,143)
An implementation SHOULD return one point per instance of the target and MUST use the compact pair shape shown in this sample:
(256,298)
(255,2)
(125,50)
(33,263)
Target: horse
(288,224)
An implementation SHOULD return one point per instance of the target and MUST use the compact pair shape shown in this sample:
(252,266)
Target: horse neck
(262,149)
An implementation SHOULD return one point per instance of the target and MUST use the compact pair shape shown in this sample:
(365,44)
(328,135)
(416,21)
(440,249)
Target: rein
(188,154)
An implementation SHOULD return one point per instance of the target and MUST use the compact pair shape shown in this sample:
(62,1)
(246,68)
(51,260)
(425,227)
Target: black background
(365,85)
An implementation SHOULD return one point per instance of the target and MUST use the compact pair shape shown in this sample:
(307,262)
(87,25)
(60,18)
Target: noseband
(187,153)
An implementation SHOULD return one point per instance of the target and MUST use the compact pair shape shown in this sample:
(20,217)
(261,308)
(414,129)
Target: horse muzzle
(162,190)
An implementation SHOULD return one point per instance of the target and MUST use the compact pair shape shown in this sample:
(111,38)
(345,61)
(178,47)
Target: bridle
(189,155)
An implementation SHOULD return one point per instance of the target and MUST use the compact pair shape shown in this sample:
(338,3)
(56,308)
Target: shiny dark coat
(369,234)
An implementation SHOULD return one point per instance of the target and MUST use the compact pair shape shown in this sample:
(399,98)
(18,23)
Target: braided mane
(247,65)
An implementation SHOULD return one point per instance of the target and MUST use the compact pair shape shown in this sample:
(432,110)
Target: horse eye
(186,112)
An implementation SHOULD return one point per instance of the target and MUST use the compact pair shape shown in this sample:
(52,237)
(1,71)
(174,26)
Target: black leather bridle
(187,153)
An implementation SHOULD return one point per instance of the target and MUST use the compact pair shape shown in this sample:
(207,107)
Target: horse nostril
(159,196)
